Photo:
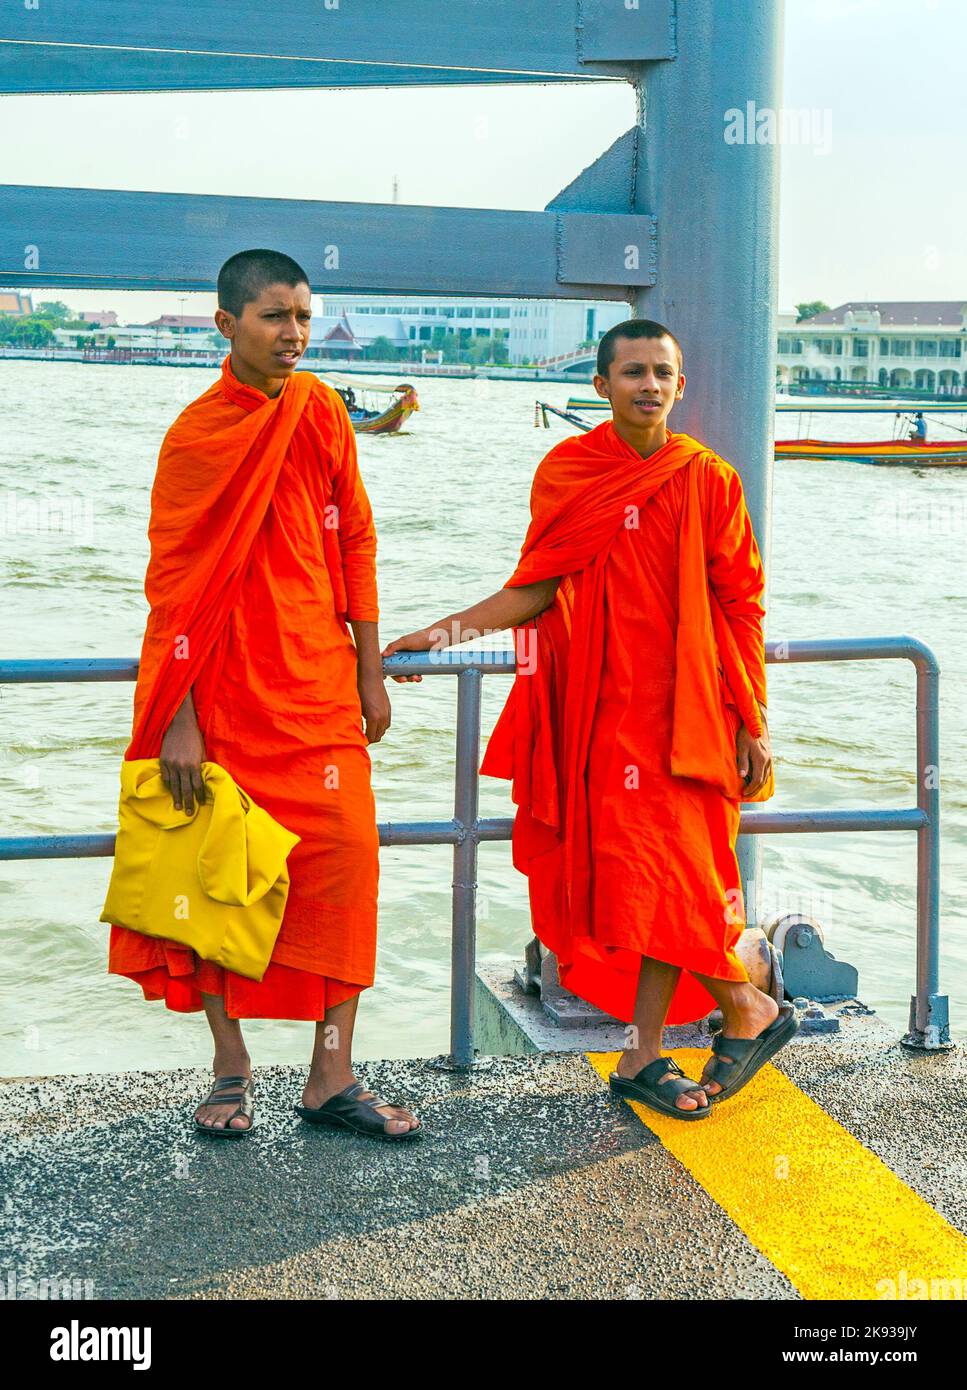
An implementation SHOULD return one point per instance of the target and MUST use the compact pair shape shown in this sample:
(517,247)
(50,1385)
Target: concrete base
(510,1023)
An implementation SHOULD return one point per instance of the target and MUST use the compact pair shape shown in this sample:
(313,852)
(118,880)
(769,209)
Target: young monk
(262,559)
(637,724)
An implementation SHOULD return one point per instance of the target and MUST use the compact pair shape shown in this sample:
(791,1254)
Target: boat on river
(904,448)
(375,408)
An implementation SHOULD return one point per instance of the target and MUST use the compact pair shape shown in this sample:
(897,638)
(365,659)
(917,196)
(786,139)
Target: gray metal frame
(929,1025)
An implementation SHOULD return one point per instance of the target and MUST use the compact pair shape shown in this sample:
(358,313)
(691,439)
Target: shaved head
(633,328)
(245,275)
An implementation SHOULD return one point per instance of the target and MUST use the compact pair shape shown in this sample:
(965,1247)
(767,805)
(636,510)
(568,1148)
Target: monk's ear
(225,323)
(600,384)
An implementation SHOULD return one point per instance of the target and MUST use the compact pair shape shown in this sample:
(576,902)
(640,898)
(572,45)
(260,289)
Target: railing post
(465,812)
(929,1028)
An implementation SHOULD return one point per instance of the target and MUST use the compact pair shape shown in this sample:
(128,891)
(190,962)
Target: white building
(920,344)
(534,328)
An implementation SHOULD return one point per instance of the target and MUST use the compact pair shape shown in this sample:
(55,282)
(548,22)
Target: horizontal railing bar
(451,832)
(95,668)
(428,832)
(55,846)
(852,649)
(422,832)
(500,660)
(791,822)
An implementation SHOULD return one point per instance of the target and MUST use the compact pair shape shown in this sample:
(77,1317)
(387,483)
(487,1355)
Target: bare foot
(631,1063)
(753,1013)
(215,1116)
(317,1092)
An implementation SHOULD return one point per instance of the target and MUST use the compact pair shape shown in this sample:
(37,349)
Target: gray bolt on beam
(55,237)
(189,44)
(717,273)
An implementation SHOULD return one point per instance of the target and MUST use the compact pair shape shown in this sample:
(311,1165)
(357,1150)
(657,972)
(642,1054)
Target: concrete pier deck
(839,1172)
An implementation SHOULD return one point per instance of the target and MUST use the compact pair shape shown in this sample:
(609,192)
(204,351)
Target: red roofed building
(15,304)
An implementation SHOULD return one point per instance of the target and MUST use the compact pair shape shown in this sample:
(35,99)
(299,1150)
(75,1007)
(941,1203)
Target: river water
(857,551)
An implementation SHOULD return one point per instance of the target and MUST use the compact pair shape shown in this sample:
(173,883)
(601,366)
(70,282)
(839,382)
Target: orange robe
(619,731)
(262,549)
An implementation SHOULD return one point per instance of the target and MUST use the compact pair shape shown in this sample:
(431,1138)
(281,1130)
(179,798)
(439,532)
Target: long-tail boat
(902,448)
(368,412)
(910,452)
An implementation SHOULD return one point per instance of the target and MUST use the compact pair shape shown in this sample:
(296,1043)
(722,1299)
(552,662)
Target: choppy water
(857,550)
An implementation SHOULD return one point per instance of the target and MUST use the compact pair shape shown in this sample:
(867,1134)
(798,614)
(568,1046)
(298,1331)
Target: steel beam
(52,69)
(182,43)
(71,237)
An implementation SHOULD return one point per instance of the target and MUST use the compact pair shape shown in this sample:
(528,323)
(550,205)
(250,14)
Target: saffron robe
(262,549)
(619,732)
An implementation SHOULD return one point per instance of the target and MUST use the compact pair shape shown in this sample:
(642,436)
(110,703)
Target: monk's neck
(268,385)
(644,442)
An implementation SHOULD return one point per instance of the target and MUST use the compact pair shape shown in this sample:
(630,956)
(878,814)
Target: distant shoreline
(400,369)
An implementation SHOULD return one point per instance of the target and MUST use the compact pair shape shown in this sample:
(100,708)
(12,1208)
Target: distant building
(99,318)
(534,329)
(15,304)
(920,344)
(183,323)
(154,336)
(347,336)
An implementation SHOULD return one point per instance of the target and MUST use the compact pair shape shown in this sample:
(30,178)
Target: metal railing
(928,1028)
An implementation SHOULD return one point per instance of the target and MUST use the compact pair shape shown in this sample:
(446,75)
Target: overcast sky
(875,209)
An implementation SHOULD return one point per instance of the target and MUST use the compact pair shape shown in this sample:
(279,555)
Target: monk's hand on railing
(182,754)
(753,758)
(375,705)
(421,641)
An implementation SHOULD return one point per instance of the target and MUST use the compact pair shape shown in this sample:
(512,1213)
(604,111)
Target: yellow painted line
(819,1205)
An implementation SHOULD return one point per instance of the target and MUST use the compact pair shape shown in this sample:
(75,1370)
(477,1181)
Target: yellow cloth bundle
(215,880)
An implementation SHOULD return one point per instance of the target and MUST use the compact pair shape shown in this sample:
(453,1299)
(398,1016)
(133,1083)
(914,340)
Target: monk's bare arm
(506,608)
(369,679)
(182,754)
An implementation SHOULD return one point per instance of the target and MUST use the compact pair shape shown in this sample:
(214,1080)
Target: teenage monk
(637,723)
(262,559)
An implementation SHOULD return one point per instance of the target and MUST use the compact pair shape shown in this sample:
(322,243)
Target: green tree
(445,342)
(27,331)
(381,349)
(807,311)
(54,310)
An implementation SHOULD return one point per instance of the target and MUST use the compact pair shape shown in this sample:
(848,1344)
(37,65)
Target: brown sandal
(345,1111)
(245,1107)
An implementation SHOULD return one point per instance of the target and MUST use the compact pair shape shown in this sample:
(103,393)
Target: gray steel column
(465,811)
(717,208)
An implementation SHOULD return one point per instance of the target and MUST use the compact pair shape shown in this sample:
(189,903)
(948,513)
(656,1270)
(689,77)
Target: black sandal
(345,1112)
(748,1054)
(660,1095)
(246,1106)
